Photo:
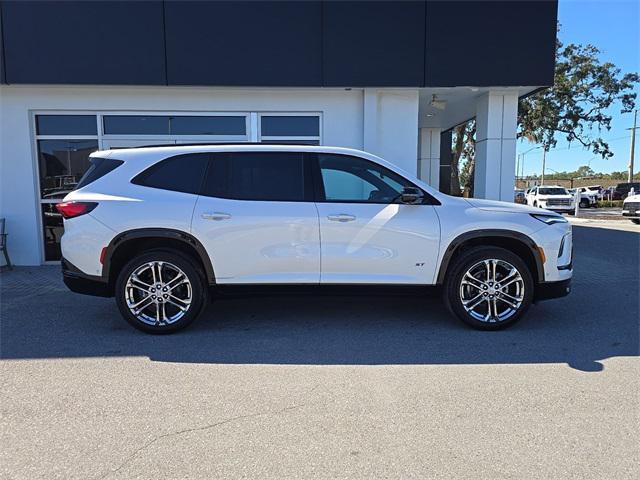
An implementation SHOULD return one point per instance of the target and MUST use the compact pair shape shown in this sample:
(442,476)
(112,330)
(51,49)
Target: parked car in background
(587,199)
(552,197)
(595,190)
(519,196)
(622,190)
(608,193)
(161,228)
(631,208)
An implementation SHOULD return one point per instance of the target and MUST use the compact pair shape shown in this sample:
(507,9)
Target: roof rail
(201,144)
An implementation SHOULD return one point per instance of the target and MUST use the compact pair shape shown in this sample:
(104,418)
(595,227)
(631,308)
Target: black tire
(464,262)
(198,291)
(636,221)
(584,204)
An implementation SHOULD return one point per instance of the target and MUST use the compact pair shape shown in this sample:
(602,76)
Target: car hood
(495,206)
(632,198)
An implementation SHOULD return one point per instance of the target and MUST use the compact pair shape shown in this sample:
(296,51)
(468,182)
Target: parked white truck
(552,197)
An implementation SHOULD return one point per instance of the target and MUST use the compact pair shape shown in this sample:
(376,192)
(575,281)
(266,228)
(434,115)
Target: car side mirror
(411,195)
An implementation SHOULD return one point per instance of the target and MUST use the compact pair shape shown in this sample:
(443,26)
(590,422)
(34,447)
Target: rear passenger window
(98,169)
(268,176)
(182,173)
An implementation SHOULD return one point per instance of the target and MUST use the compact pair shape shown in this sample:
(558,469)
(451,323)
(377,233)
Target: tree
(577,107)
(464,148)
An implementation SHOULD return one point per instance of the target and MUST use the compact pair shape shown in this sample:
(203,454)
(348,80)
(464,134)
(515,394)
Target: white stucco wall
(390,130)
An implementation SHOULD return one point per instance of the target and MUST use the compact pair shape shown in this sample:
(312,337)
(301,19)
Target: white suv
(161,228)
(554,198)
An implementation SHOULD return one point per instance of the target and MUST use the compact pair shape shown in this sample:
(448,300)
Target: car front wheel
(161,291)
(489,288)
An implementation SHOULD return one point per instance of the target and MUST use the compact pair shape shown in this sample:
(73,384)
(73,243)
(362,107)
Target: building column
(496,123)
(390,125)
(429,156)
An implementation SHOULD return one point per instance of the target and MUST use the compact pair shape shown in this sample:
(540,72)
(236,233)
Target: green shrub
(609,203)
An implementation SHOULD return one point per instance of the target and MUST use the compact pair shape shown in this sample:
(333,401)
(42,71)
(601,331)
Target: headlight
(549,219)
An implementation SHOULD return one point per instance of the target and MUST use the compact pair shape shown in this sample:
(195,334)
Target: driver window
(352,179)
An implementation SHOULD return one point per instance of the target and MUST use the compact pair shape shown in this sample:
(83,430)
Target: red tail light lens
(75,209)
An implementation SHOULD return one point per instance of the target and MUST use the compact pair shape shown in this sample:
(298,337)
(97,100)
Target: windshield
(552,191)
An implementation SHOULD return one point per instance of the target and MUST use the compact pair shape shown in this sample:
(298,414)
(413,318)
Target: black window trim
(319,184)
(308,183)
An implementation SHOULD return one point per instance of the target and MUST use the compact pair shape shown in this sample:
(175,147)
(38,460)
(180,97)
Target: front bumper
(80,282)
(634,214)
(560,208)
(549,290)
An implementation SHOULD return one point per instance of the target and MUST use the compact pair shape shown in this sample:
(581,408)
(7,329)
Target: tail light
(75,209)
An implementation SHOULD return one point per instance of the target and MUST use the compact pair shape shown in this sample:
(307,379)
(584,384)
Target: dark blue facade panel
(279,43)
(490,43)
(378,43)
(2,69)
(96,42)
(244,43)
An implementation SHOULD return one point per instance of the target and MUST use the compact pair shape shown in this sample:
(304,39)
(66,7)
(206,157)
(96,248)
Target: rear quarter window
(182,173)
(99,168)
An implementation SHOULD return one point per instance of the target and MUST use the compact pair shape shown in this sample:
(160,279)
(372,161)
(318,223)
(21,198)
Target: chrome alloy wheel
(158,293)
(492,290)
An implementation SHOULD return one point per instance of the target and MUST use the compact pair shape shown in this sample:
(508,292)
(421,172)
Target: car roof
(172,149)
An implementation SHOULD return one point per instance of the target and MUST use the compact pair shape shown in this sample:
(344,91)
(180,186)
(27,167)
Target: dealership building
(389,77)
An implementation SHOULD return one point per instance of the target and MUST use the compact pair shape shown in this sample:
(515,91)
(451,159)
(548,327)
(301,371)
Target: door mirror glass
(411,195)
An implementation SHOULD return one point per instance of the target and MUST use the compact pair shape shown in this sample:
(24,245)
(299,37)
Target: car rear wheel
(489,288)
(161,291)
(636,221)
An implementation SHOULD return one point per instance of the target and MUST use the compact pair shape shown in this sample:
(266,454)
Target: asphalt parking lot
(326,387)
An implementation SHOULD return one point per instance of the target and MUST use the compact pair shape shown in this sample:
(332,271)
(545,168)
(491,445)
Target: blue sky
(614,27)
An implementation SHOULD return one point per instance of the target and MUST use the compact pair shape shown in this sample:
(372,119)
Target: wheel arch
(125,244)
(516,242)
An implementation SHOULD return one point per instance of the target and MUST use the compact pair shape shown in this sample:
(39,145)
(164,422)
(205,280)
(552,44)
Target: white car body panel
(382,244)
(259,242)
(84,238)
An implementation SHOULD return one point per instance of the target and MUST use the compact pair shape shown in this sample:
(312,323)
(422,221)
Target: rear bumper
(80,282)
(549,290)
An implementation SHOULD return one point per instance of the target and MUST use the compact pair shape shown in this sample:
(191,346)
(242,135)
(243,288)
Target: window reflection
(53,230)
(62,163)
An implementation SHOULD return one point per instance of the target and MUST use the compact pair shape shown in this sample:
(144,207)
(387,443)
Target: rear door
(257,220)
(368,235)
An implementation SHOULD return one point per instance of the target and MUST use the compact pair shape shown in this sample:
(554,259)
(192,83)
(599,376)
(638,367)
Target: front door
(257,220)
(368,236)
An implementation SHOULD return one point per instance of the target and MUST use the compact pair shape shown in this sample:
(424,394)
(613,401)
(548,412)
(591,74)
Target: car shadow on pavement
(41,319)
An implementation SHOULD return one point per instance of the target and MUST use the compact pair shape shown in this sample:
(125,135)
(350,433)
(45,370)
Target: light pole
(633,145)
(544,160)
(522,161)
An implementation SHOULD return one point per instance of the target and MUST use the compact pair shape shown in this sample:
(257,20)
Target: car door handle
(215,216)
(341,217)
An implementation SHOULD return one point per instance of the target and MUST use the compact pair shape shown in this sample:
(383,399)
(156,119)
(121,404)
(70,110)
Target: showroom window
(290,128)
(64,142)
(175,125)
